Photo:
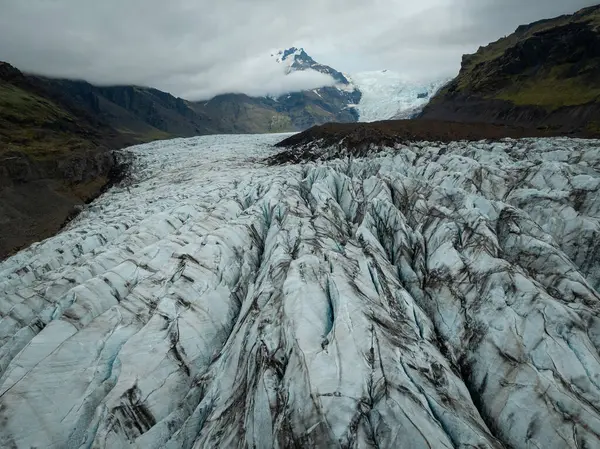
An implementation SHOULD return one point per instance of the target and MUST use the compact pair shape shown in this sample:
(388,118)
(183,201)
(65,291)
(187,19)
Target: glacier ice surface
(387,94)
(428,296)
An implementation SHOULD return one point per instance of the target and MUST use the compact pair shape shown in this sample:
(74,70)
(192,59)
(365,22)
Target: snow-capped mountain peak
(296,59)
(290,54)
(376,95)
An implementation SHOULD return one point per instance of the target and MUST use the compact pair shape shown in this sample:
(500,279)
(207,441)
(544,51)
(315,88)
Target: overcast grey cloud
(196,49)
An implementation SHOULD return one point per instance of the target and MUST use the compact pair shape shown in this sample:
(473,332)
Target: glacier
(376,95)
(427,295)
(387,95)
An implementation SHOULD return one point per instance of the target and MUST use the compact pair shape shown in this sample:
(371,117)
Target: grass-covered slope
(32,122)
(546,74)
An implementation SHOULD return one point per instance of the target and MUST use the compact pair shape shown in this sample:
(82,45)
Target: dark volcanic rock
(360,139)
(37,197)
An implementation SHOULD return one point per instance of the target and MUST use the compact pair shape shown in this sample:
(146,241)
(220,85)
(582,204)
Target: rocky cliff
(54,156)
(546,74)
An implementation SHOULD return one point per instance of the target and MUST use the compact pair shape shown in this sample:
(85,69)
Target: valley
(304,258)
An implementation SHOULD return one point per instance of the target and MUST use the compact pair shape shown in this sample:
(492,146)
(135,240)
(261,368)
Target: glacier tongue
(387,95)
(428,296)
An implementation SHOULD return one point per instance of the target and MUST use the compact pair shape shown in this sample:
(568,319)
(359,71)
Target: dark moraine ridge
(359,138)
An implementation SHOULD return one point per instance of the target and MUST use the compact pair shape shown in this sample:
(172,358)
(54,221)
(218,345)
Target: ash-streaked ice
(429,295)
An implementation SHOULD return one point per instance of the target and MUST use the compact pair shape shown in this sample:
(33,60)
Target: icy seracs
(387,95)
(428,296)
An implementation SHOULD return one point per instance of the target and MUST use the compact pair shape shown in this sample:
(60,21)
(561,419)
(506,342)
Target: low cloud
(197,49)
(253,76)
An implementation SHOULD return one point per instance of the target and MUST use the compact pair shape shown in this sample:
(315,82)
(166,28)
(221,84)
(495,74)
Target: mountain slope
(545,74)
(54,156)
(295,111)
(242,114)
(140,114)
(427,296)
(296,59)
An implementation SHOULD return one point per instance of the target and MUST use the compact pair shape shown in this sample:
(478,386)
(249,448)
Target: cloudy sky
(198,48)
